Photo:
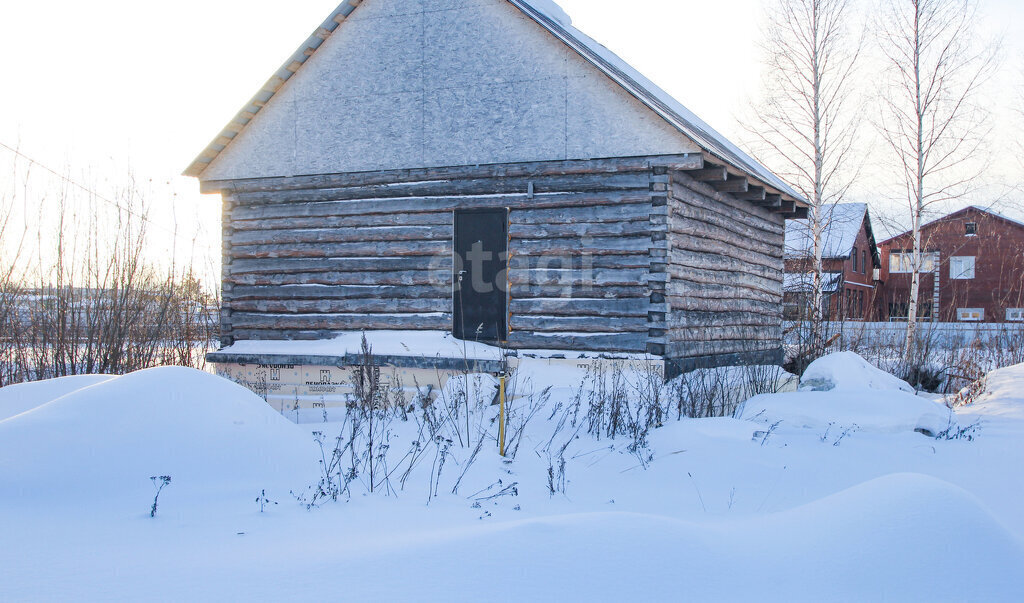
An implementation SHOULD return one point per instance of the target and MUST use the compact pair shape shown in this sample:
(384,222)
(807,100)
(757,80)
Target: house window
(1015,315)
(961,268)
(971,228)
(903,262)
(970,314)
(855,259)
(899,262)
(864,262)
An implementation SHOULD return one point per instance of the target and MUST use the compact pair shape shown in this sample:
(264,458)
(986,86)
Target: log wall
(307,257)
(725,270)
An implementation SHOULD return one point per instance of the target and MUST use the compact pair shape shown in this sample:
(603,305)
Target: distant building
(850,261)
(973,269)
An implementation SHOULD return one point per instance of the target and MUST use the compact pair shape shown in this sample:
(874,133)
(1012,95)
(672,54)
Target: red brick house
(973,271)
(850,261)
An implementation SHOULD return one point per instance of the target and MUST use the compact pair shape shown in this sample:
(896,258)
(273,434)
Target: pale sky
(95,86)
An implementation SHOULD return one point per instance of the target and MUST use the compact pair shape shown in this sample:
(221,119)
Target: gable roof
(957,214)
(549,16)
(842,226)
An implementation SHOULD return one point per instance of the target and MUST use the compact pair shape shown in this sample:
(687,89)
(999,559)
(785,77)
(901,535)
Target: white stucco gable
(412,83)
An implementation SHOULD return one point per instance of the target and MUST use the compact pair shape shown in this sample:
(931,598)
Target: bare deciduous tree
(805,124)
(929,119)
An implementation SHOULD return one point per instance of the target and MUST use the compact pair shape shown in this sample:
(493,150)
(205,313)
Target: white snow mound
(888,412)
(1004,394)
(846,371)
(880,540)
(23,397)
(215,439)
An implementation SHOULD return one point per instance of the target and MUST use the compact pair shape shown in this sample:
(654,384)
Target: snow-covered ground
(812,495)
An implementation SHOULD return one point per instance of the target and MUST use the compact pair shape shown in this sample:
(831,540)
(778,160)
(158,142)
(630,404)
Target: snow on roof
(802,282)
(547,14)
(404,344)
(842,225)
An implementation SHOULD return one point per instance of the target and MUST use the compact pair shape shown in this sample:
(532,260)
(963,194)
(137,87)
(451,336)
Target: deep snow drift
(100,445)
(16,399)
(846,371)
(703,509)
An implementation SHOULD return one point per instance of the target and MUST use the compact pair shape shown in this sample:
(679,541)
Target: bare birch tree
(805,124)
(929,118)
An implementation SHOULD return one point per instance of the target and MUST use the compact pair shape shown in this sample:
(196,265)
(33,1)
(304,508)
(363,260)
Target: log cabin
(484,168)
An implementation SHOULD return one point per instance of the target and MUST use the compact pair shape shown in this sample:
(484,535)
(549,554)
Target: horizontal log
(752,334)
(576,183)
(433,278)
(689,320)
(579,229)
(570,292)
(330,250)
(693,228)
(714,304)
(342,235)
(726,278)
(589,245)
(612,342)
(688,161)
(632,212)
(365,207)
(292,265)
(355,221)
(578,324)
(685,258)
(718,214)
(691,349)
(680,288)
(635,307)
(343,306)
(699,245)
(575,278)
(339,322)
(578,262)
(304,291)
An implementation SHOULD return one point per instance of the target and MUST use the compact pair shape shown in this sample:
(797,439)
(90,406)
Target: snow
(23,397)
(383,343)
(848,372)
(103,443)
(707,511)
(842,224)
(410,343)
(892,413)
